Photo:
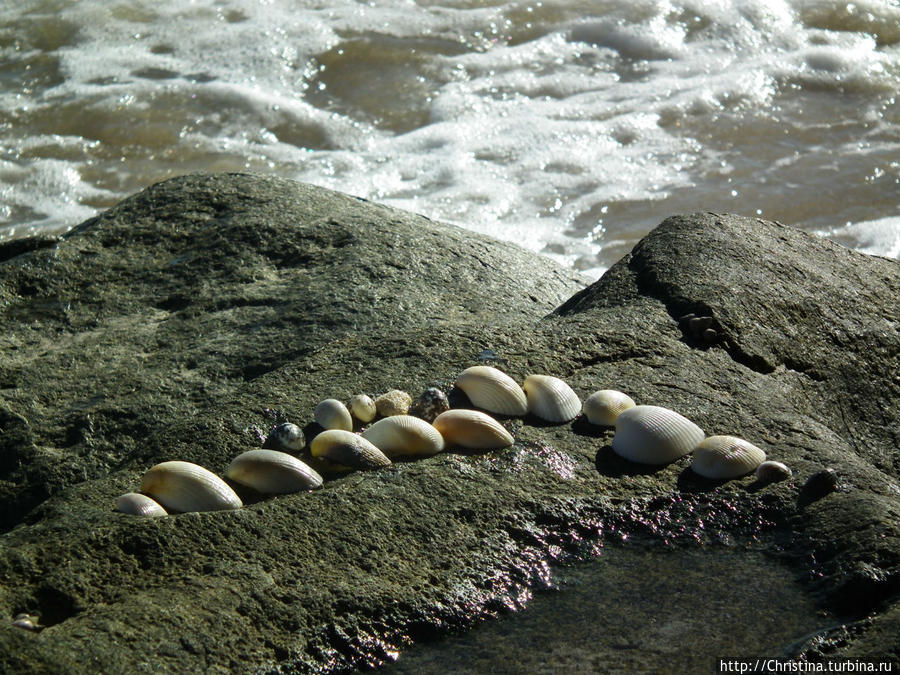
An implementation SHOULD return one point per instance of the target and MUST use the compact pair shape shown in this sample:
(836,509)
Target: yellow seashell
(650,434)
(272,472)
(723,457)
(551,399)
(348,449)
(394,402)
(183,486)
(332,414)
(472,429)
(363,408)
(604,406)
(493,390)
(402,435)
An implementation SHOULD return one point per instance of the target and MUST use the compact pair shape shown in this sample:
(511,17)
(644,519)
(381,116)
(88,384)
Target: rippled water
(570,126)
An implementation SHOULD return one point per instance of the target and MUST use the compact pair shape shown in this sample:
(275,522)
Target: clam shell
(771,471)
(493,390)
(348,449)
(404,435)
(604,406)
(394,402)
(332,414)
(272,472)
(183,486)
(363,408)
(287,437)
(136,504)
(472,429)
(650,434)
(723,457)
(551,399)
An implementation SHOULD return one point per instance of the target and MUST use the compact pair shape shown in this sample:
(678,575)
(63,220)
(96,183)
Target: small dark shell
(431,403)
(820,484)
(286,437)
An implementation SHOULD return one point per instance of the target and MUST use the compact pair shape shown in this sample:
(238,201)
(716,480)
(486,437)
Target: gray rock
(188,320)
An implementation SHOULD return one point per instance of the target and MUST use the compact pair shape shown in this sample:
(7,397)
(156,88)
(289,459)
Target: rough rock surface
(187,320)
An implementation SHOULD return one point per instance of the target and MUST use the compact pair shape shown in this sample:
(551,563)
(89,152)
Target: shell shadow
(608,463)
(690,481)
(581,427)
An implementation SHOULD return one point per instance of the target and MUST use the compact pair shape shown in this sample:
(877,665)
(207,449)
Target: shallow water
(568,126)
(638,610)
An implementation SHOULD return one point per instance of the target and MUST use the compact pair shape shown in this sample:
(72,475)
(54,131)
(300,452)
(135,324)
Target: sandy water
(569,126)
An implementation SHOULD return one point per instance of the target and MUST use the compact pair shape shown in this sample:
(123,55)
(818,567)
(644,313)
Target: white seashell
(394,402)
(604,406)
(137,504)
(650,434)
(272,472)
(363,408)
(472,429)
(401,435)
(348,449)
(551,399)
(25,621)
(183,486)
(332,414)
(771,471)
(493,390)
(722,457)
(287,437)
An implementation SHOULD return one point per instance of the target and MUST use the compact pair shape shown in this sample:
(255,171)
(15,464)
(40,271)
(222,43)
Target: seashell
(604,406)
(820,484)
(272,472)
(472,429)
(493,390)
(25,621)
(401,435)
(650,434)
(363,408)
(183,486)
(394,402)
(551,399)
(137,504)
(723,457)
(431,403)
(771,471)
(286,437)
(332,414)
(348,449)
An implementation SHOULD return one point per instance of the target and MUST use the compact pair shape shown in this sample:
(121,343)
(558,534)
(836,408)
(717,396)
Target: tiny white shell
(723,457)
(771,471)
(394,402)
(332,414)
(286,437)
(136,504)
(183,486)
(401,435)
(551,399)
(272,472)
(472,429)
(604,406)
(363,408)
(493,390)
(650,434)
(348,449)
(25,622)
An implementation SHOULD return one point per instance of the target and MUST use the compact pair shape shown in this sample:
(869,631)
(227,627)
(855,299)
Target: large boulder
(184,322)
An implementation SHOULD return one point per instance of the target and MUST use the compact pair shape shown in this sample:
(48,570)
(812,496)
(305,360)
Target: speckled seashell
(771,471)
(136,504)
(820,484)
(394,402)
(286,437)
(183,486)
(403,435)
(332,414)
(604,406)
(363,408)
(650,434)
(551,399)
(431,403)
(493,390)
(272,472)
(724,457)
(348,449)
(472,429)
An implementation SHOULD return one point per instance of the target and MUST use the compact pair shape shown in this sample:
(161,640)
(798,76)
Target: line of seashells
(644,434)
